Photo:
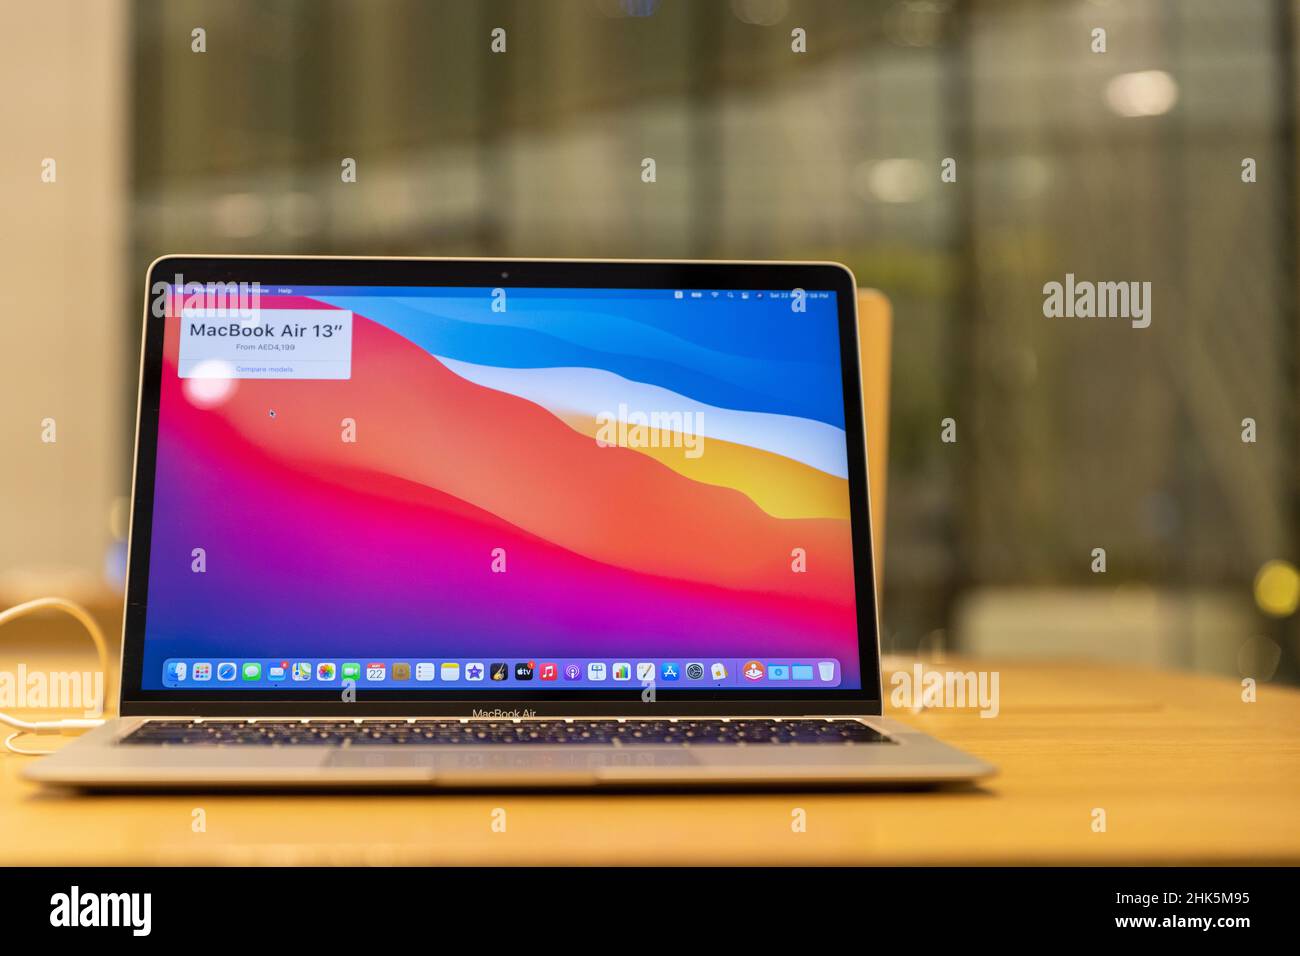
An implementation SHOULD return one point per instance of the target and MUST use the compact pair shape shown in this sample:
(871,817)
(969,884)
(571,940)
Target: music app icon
(549,672)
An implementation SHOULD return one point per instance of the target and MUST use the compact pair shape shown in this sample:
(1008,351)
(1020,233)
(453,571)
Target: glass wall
(1117,164)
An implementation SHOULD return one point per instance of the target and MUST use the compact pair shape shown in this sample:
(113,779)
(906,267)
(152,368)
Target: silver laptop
(494,523)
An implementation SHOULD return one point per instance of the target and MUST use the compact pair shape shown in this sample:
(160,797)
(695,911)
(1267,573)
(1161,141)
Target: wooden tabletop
(1185,771)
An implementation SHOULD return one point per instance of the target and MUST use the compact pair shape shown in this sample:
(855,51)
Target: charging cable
(68,725)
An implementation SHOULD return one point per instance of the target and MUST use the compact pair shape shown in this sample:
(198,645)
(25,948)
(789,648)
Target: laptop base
(99,761)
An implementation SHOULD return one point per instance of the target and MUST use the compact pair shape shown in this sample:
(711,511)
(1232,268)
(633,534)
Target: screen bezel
(506,273)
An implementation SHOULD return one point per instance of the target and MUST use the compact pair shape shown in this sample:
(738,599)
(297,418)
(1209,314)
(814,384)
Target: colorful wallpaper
(478,430)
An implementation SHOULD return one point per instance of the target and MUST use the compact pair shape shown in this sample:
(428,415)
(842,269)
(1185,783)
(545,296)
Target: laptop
(434,523)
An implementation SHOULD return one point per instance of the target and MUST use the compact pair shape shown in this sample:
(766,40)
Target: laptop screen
(487,489)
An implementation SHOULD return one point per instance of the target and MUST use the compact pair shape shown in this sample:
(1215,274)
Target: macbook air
(435,523)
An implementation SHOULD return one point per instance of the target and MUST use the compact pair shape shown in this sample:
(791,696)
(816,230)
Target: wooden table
(1184,770)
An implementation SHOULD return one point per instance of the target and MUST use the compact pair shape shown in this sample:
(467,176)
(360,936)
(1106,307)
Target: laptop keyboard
(453,732)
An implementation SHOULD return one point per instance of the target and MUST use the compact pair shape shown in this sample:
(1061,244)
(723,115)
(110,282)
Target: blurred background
(1072,435)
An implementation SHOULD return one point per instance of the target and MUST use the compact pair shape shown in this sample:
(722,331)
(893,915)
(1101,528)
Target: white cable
(54,726)
(13,748)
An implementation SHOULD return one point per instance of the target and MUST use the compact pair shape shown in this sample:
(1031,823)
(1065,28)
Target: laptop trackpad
(540,759)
